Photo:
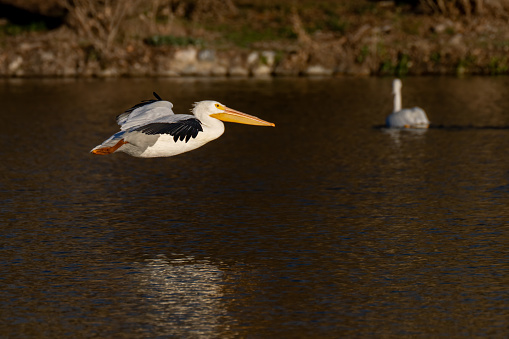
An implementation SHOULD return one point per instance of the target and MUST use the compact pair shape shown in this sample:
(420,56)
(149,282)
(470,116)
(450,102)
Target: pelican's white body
(408,117)
(165,146)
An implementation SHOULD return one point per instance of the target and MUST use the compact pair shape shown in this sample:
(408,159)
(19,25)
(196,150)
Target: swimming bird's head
(219,111)
(396,86)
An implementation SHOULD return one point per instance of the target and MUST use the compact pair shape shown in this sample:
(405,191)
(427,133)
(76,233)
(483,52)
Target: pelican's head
(219,111)
(396,86)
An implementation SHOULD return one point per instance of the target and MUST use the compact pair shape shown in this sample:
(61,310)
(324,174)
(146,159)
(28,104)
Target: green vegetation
(364,8)
(326,19)
(170,40)
(399,69)
(364,52)
(246,35)
(12,29)
(263,60)
(403,64)
(465,64)
(450,31)
(91,54)
(386,67)
(381,49)
(279,56)
(254,22)
(498,65)
(435,57)
(411,26)
(337,25)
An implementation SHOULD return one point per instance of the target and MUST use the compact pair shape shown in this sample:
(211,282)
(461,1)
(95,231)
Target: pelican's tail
(110,145)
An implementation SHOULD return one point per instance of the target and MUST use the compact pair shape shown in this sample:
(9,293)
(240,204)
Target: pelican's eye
(219,106)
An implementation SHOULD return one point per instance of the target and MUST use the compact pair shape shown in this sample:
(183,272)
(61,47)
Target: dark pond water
(325,226)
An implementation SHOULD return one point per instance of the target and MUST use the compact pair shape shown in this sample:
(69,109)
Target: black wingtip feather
(181,130)
(143,103)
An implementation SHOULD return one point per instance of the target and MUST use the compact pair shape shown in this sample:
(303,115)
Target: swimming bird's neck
(397,101)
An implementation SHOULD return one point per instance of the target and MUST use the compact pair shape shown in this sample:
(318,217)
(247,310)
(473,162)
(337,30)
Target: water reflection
(185,295)
(398,134)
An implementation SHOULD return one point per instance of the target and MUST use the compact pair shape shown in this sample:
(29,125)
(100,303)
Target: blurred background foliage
(388,36)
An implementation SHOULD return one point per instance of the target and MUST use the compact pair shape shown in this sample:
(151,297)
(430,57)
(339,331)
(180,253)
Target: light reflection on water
(326,225)
(185,293)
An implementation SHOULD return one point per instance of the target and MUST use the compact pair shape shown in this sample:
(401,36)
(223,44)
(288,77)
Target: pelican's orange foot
(109,150)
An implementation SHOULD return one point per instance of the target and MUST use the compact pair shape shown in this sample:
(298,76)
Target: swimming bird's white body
(151,129)
(405,118)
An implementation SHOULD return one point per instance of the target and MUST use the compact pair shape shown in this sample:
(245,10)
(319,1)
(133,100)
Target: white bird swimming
(408,117)
(151,129)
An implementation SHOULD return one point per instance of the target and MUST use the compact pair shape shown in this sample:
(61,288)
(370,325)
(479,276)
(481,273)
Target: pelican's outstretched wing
(147,111)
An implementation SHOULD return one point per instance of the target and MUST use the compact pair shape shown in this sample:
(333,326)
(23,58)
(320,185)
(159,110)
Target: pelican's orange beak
(232,115)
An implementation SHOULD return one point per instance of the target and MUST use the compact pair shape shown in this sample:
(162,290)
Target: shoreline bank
(384,41)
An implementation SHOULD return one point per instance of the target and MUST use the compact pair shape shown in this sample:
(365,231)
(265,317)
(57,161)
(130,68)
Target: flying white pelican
(408,117)
(151,129)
